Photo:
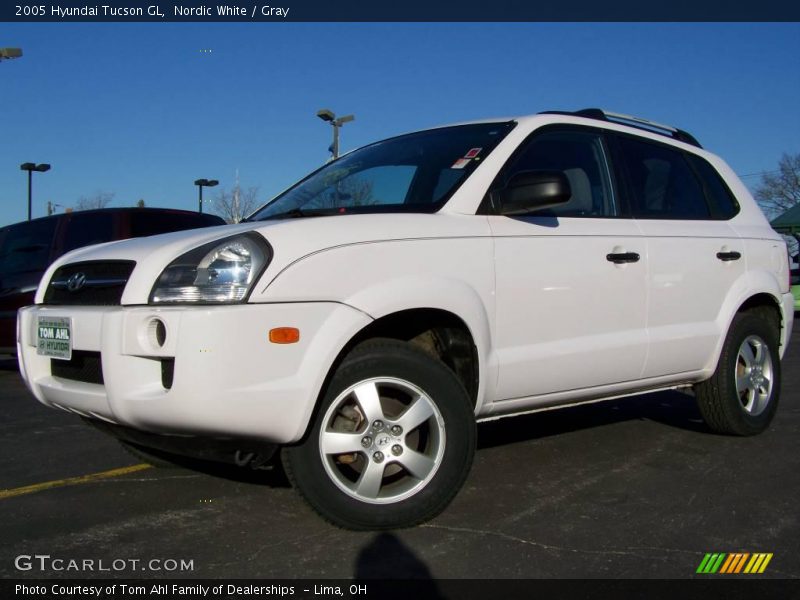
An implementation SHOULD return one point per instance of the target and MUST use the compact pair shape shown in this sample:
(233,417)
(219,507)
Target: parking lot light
(30,168)
(201,183)
(330,117)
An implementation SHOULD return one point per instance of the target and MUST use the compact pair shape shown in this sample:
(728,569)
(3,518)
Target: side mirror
(528,191)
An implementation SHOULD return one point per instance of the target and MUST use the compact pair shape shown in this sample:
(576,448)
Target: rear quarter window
(721,200)
(661,182)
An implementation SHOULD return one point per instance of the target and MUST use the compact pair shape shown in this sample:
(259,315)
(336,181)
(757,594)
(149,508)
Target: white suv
(368,316)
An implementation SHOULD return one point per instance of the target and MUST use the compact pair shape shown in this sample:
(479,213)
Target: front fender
(381,278)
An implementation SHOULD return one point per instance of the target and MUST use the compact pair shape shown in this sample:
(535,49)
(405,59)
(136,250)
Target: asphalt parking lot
(632,488)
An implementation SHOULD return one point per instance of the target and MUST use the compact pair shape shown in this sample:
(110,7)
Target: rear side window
(662,184)
(87,229)
(26,247)
(723,203)
(147,223)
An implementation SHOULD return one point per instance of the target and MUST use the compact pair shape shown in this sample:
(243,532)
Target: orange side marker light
(284,335)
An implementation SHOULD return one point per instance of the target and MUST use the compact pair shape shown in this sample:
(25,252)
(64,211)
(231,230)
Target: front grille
(92,283)
(83,366)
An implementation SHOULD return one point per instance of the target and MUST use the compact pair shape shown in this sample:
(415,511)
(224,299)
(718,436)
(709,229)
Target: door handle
(728,256)
(623,257)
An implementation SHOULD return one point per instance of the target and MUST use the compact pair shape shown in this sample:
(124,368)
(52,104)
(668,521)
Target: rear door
(571,309)
(694,256)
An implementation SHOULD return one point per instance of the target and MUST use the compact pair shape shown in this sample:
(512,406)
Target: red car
(28,248)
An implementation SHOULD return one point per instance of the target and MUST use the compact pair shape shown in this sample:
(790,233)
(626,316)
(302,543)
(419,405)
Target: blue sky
(142,110)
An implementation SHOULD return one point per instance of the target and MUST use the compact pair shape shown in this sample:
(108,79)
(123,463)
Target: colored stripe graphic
(733,563)
(703,563)
(711,563)
(741,563)
(758,563)
(732,558)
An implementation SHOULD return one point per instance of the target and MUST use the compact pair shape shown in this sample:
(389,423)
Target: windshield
(417,172)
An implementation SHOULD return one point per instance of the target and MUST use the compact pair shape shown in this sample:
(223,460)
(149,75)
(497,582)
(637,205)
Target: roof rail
(612,117)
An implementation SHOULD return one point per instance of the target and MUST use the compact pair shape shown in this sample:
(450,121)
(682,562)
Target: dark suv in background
(28,248)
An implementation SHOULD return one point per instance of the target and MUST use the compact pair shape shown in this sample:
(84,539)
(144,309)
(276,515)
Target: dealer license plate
(54,337)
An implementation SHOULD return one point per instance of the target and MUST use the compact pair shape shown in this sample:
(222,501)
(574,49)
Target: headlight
(221,272)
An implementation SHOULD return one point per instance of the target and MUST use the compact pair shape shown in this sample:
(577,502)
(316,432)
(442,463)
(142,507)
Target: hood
(291,241)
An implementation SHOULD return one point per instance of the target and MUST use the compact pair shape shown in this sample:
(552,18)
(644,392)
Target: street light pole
(330,117)
(30,168)
(201,183)
(30,192)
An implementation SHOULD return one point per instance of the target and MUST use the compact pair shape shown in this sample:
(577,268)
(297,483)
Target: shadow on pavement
(386,557)
(671,408)
(270,475)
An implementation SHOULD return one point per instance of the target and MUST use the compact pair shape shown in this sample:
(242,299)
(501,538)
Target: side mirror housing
(528,191)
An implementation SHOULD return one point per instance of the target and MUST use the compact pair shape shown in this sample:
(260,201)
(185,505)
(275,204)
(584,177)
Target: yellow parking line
(38,487)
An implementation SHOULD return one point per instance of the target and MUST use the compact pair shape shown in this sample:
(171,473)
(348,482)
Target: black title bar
(407,10)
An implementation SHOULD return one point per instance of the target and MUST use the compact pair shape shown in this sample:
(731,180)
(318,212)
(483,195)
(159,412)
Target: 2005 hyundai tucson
(367,317)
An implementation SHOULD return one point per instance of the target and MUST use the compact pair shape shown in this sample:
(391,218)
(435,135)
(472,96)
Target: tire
(154,458)
(742,396)
(401,471)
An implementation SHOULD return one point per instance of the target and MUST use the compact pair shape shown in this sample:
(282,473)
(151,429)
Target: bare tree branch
(236,204)
(97,200)
(779,191)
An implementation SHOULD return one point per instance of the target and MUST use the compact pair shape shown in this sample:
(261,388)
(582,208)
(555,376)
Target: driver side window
(581,157)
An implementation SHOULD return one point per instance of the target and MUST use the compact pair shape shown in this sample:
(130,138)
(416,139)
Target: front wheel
(742,396)
(392,442)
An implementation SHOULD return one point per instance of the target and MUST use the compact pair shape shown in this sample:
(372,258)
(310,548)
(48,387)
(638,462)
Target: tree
(780,190)
(140,203)
(236,204)
(97,200)
(355,192)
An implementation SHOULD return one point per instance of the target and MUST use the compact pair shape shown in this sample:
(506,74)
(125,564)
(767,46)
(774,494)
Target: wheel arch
(753,292)
(441,332)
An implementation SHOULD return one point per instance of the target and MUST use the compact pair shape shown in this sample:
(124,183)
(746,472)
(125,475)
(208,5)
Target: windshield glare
(411,173)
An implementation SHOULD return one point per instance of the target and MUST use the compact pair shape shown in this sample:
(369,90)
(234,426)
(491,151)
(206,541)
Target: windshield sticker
(460,163)
(473,153)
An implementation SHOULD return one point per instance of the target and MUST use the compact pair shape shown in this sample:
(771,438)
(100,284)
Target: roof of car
(153,211)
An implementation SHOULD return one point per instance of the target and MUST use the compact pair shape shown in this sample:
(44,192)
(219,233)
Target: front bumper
(228,379)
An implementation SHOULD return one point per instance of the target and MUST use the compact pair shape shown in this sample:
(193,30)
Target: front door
(571,291)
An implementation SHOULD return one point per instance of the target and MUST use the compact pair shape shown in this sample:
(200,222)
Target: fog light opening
(157,332)
(167,372)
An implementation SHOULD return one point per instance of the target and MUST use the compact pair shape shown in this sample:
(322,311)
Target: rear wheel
(392,442)
(742,396)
